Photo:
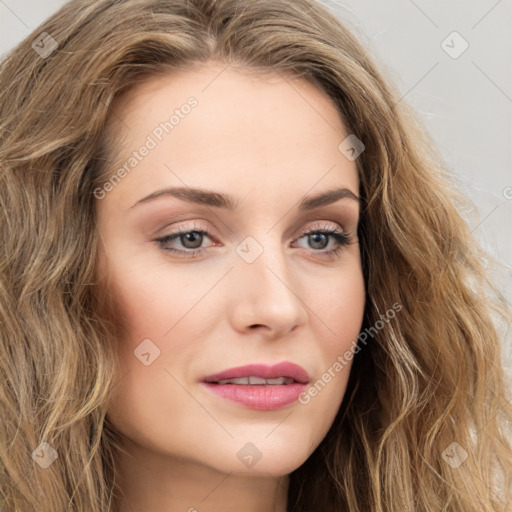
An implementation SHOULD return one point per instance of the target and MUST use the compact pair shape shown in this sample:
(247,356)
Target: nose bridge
(265,290)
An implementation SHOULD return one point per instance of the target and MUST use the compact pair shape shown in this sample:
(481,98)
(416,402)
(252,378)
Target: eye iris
(315,236)
(186,238)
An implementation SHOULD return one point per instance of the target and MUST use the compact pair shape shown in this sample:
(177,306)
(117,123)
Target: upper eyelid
(316,225)
(342,214)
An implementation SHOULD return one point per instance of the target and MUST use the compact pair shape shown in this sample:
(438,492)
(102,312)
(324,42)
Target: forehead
(246,130)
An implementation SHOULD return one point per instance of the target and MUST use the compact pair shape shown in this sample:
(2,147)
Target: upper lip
(285,369)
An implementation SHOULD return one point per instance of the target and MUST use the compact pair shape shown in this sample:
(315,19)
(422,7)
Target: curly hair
(433,377)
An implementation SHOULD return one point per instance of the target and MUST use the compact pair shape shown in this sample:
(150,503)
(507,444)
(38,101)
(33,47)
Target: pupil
(189,238)
(315,236)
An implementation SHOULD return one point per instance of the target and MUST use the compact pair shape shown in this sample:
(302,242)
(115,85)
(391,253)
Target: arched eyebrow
(225,201)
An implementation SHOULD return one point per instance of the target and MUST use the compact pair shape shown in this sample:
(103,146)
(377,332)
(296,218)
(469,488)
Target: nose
(266,296)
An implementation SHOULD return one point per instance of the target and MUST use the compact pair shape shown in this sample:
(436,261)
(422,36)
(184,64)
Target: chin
(262,457)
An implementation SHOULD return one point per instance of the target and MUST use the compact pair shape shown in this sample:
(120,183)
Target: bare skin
(268,142)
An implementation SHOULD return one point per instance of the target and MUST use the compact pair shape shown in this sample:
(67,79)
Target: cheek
(340,316)
(146,294)
(162,315)
(350,310)
(340,308)
(155,335)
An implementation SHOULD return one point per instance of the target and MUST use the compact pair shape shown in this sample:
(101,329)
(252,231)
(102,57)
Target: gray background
(465,102)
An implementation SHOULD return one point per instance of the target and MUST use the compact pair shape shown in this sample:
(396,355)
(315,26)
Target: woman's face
(241,159)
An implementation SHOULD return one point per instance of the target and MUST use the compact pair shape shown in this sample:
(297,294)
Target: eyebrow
(218,200)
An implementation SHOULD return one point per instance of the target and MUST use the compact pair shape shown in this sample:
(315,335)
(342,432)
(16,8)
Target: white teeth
(240,380)
(257,381)
(279,380)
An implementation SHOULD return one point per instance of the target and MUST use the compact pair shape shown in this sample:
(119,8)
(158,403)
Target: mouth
(260,375)
(253,380)
(258,386)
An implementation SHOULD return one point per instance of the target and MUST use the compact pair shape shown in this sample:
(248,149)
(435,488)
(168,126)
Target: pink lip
(285,369)
(261,397)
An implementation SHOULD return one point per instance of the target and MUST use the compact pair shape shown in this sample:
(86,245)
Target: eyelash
(342,239)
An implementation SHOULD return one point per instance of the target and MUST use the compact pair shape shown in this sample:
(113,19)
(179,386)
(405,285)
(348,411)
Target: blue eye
(316,235)
(191,238)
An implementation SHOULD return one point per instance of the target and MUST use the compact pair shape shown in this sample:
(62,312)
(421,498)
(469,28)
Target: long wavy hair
(433,376)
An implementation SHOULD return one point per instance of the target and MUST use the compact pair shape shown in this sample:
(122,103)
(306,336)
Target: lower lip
(265,398)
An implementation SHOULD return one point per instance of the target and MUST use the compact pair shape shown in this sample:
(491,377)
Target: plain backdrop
(452,61)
